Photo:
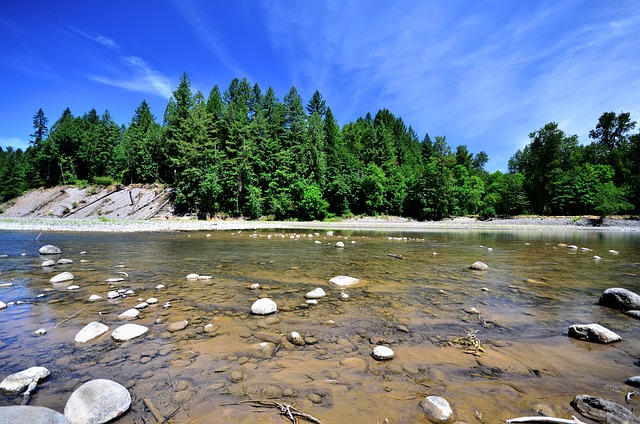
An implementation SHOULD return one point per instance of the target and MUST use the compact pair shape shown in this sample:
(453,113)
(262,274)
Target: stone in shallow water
(48,262)
(634,381)
(62,277)
(18,382)
(65,261)
(49,249)
(603,411)
(382,353)
(128,332)
(619,298)
(264,306)
(114,280)
(192,276)
(340,245)
(593,333)
(177,326)
(91,331)
(479,266)
(344,281)
(315,294)
(30,414)
(437,409)
(97,401)
(94,297)
(129,314)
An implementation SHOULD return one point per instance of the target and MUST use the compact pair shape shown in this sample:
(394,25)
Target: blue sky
(482,73)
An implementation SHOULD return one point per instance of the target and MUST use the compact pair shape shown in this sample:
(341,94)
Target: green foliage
(104,181)
(610,200)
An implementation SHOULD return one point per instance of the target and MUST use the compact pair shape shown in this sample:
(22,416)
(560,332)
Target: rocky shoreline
(367,224)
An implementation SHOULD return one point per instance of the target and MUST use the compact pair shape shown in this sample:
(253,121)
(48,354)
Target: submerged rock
(30,414)
(61,278)
(479,266)
(49,249)
(177,326)
(18,382)
(91,331)
(64,261)
(97,401)
(437,409)
(48,263)
(619,298)
(128,332)
(264,306)
(593,333)
(603,411)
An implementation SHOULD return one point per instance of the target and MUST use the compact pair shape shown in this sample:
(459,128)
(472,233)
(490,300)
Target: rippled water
(532,293)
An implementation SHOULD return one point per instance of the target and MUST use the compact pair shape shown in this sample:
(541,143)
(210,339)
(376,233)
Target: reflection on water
(524,304)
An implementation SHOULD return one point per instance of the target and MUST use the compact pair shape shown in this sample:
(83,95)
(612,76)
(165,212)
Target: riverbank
(367,224)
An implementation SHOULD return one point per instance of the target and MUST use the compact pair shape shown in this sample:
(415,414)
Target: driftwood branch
(574,420)
(287,410)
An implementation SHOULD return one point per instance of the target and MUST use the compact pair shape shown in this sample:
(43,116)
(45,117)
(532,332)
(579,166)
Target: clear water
(532,293)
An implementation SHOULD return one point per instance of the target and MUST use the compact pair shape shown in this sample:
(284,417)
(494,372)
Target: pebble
(382,353)
(113,294)
(141,305)
(343,281)
(192,276)
(264,306)
(311,302)
(73,287)
(437,409)
(316,294)
(177,326)
(114,280)
(340,245)
(296,338)
(40,332)
(160,286)
(94,297)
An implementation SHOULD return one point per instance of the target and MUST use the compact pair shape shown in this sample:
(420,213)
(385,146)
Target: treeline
(247,153)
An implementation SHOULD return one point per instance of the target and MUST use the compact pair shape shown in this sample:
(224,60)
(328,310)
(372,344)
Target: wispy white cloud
(143,78)
(15,142)
(98,38)
(484,76)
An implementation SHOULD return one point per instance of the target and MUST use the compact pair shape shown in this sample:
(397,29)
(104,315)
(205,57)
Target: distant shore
(368,224)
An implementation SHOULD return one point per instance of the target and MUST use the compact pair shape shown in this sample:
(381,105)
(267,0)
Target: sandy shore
(375,224)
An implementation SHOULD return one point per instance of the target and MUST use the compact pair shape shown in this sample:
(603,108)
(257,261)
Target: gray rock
(23,414)
(315,294)
(382,353)
(18,382)
(437,409)
(619,298)
(344,281)
(479,266)
(61,278)
(97,401)
(593,333)
(264,306)
(91,331)
(49,250)
(634,381)
(128,332)
(603,411)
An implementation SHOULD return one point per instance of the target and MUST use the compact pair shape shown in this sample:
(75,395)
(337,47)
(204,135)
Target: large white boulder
(97,401)
(91,331)
(61,278)
(128,332)
(264,306)
(49,249)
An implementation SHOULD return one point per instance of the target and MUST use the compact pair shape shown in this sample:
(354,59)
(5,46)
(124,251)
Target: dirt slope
(114,202)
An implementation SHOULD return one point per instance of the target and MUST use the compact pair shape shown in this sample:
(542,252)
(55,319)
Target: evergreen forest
(245,152)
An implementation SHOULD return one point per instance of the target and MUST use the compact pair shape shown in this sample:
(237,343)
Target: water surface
(534,290)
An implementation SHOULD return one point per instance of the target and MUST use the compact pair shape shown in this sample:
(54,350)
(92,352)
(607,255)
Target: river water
(415,294)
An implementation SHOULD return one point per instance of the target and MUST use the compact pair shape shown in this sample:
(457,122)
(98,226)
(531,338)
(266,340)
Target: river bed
(415,294)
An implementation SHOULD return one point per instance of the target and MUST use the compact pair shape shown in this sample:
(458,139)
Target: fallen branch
(67,319)
(574,420)
(154,411)
(286,410)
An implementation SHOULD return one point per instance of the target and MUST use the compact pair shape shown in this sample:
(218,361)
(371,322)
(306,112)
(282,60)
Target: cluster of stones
(96,401)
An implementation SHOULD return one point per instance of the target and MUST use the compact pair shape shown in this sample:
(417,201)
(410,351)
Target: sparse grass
(104,219)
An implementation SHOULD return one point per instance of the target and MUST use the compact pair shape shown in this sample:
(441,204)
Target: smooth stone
(593,333)
(114,280)
(619,298)
(48,262)
(152,301)
(572,247)
(311,302)
(296,338)
(603,411)
(315,294)
(437,409)
(64,262)
(339,245)
(344,281)
(192,276)
(633,313)
(204,277)
(2,305)
(94,297)
(97,401)
(49,249)
(634,381)
(40,332)
(254,286)
(128,332)
(210,328)
(613,252)
(6,284)
(177,326)
(30,414)
(113,294)
(62,277)
(129,314)
(479,266)
(18,382)
(382,353)
(73,287)
(91,331)
(264,306)
(141,305)
(160,286)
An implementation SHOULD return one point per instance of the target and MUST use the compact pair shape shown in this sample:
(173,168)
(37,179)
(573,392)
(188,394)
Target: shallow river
(413,301)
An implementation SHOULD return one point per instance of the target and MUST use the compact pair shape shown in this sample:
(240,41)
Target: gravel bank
(377,224)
